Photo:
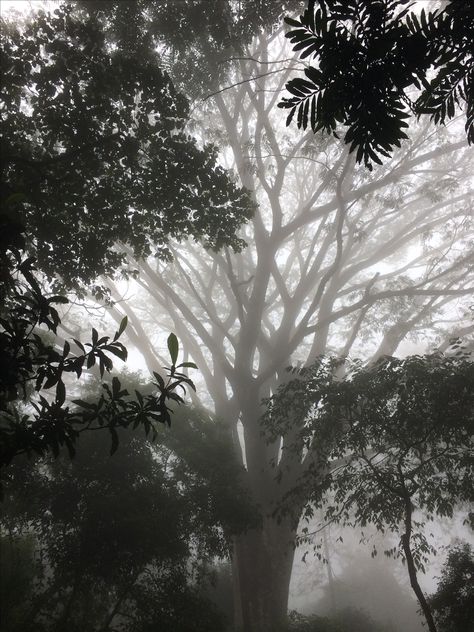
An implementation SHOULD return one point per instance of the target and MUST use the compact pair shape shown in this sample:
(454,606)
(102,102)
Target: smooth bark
(406,537)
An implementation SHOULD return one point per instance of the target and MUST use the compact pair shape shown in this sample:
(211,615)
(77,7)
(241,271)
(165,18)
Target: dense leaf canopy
(400,428)
(453,601)
(95,139)
(197,64)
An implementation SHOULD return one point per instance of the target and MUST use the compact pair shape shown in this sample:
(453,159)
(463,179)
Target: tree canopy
(374,64)
(96,162)
(95,140)
(453,601)
(199,65)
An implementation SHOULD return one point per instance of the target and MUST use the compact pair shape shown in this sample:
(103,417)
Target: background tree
(401,442)
(376,63)
(453,601)
(125,543)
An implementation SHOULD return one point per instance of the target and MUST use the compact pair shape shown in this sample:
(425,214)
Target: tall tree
(338,261)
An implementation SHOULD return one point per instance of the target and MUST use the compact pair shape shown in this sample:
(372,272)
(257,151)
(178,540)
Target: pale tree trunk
(263,564)
(262,556)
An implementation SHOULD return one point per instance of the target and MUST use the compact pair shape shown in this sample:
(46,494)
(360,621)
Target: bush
(453,602)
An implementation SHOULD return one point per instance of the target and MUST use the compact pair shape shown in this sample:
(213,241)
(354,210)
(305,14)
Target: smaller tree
(453,602)
(397,437)
(122,543)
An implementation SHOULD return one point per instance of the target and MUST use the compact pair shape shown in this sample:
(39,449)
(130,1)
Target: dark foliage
(31,362)
(453,602)
(396,436)
(124,543)
(347,620)
(376,63)
(197,45)
(94,138)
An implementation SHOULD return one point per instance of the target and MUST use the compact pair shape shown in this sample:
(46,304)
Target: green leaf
(121,329)
(160,381)
(66,349)
(120,353)
(173,347)
(80,345)
(115,386)
(83,404)
(187,365)
(60,393)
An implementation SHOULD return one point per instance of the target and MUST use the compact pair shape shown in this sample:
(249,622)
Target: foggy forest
(237,316)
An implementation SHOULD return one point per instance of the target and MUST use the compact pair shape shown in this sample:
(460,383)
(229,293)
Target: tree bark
(263,556)
(412,568)
(263,562)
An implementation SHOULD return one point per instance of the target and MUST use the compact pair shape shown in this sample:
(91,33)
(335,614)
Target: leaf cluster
(31,363)
(394,433)
(127,532)
(369,57)
(453,601)
(94,138)
(197,46)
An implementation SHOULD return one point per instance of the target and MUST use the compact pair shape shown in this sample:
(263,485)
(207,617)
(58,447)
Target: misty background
(262,247)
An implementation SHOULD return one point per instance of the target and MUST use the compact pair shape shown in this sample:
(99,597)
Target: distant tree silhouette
(453,601)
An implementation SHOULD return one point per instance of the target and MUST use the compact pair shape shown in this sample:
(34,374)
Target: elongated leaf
(121,329)
(115,441)
(80,345)
(83,404)
(173,347)
(60,393)
(159,379)
(120,353)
